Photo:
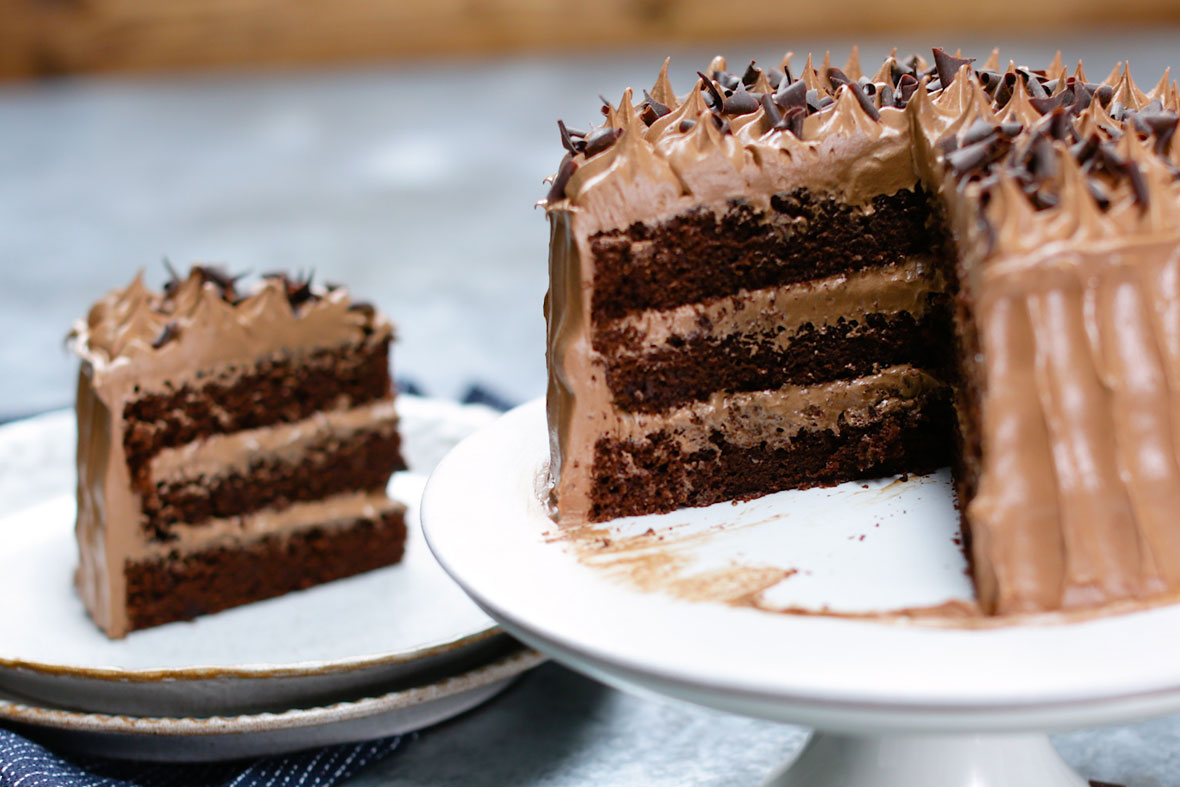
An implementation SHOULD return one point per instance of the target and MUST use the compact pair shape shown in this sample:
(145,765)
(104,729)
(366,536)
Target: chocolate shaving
(1032,84)
(1083,150)
(686,125)
(1104,93)
(990,80)
(866,103)
(1061,125)
(297,289)
(906,87)
(713,96)
(837,77)
(557,190)
(1098,193)
(600,139)
(1011,128)
(740,103)
(949,65)
(1138,183)
(1047,105)
(775,77)
(1043,162)
(567,141)
(793,95)
(773,116)
(363,307)
(170,332)
(652,110)
(750,76)
(978,131)
(887,99)
(726,80)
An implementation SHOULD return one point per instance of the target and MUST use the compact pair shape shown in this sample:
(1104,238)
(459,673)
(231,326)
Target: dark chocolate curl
(740,103)
(792,95)
(866,103)
(567,141)
(713,96)
(750,77)
(657,107)
(978,131)
(1138,183)
(773,116)
(600,139)
(557,190)
(949,65)
(837,77)
(1047,105)
(170,332)
(966,159)
(906,88)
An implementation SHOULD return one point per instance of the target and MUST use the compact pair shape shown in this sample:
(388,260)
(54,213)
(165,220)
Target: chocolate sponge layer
(701,254)
(277,390)
(183,586)
(361,462)
(655,475)
(691,371)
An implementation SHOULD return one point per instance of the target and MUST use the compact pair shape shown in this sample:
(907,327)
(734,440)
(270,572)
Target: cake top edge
(210,313)
(983,122)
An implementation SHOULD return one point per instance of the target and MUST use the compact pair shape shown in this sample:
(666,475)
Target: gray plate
(252,735)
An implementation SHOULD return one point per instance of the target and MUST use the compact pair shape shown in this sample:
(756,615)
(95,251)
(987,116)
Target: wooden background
(50,37)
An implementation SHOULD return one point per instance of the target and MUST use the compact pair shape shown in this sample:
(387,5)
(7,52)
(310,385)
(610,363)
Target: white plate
(232,737)
(380,631)
(651,620)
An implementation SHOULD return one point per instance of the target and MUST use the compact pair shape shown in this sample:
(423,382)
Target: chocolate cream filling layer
(242,530)
(223,454)
(775,417)
(781,311)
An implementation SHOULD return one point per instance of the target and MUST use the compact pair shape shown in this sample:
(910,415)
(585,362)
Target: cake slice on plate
(232,446)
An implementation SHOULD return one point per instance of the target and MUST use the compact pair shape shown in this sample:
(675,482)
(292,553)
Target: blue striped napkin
(27,764)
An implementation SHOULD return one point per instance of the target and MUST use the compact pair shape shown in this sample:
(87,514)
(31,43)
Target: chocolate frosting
(1062,199)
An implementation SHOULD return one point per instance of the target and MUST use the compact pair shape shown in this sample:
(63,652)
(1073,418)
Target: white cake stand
(893,702)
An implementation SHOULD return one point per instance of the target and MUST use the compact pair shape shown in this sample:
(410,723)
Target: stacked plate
(383,653)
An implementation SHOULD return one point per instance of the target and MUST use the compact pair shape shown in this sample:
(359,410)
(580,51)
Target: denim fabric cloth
(27,764)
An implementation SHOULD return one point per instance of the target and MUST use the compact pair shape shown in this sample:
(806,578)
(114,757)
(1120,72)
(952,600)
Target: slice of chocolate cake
(232,446)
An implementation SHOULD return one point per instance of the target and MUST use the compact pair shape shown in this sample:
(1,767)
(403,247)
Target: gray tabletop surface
(413,183)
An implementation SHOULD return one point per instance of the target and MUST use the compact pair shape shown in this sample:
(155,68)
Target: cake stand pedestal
(642,604)
(834,760)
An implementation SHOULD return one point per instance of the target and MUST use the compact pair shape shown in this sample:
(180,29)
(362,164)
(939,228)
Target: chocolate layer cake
(785,280)
(231,446)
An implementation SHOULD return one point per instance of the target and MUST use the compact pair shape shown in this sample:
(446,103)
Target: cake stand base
(830,760)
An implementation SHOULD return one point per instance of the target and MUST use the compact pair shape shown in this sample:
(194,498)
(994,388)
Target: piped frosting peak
(205,318)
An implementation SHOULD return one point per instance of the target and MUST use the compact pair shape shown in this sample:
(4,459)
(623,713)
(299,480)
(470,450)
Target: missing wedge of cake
(232,446)
(790,278)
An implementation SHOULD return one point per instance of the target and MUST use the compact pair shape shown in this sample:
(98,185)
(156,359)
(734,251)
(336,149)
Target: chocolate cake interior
(811,302)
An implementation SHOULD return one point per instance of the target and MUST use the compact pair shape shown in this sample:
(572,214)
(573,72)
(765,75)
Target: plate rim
(587,647)
(258,670)
(503,668)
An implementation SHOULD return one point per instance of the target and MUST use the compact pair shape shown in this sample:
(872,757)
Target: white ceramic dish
(851,548)
(378,632)
(253,735)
